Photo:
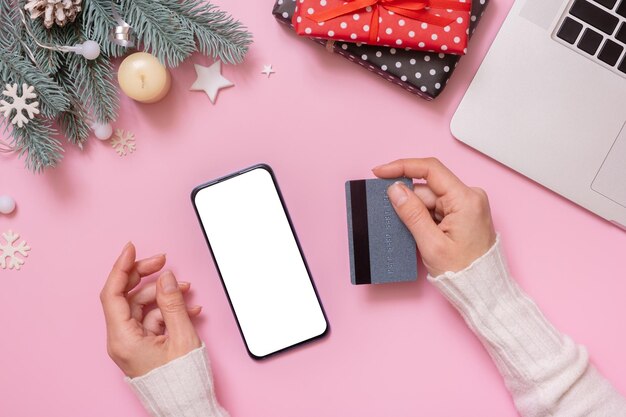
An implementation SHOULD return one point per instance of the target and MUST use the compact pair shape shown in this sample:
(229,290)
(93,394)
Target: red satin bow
(419,10)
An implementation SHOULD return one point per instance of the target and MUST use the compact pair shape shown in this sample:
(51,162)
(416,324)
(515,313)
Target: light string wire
(60,48)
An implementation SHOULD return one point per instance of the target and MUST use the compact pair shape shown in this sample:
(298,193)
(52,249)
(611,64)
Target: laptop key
(609,4)
(622,66)
(621,33)
(595,16)
(621,10)
(590,41)
(610,52)
(569,30)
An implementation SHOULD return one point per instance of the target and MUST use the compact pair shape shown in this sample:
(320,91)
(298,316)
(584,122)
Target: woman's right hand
(451,222)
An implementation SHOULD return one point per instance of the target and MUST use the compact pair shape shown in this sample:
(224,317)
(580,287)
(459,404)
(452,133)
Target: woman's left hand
(136,340)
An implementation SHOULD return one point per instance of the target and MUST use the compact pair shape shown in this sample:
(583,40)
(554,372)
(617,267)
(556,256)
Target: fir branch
(8,19)
(89,83)
(35,140)
(94,85)
(47,60)
(98,22)
(18,69)
(73,122)
(15,67)
(36,143)
(161,31)
(218,35)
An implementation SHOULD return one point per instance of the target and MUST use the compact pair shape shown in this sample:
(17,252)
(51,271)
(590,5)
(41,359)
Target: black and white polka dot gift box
(423,73)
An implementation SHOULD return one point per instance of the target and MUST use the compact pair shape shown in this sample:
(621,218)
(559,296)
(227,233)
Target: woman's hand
(136,340)
(450,221)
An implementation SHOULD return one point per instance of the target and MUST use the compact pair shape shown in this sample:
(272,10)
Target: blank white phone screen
(259,261)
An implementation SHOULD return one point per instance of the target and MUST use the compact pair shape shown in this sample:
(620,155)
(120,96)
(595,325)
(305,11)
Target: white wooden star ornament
(210,80)
(267,70)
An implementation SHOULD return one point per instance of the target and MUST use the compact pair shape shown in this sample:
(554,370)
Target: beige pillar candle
(143,78)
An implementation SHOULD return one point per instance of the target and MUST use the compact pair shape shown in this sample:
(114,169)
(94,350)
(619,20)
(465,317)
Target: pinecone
(54,11)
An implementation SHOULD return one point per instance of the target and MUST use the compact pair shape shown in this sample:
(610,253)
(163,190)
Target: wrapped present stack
(415,44)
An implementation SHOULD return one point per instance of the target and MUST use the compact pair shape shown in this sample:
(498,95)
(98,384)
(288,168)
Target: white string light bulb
(7,204)
(102,131)
(88,49)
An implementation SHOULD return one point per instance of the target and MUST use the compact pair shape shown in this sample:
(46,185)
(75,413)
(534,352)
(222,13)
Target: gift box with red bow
(422,73)
(428,25)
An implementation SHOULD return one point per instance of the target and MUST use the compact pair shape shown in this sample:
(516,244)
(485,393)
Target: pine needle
(15,68)
(73,122)
(160,31)
(218,35)
(97,24)
(35,143)
(94,84)
(48,60)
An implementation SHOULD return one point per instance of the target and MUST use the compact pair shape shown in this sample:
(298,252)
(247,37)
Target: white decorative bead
(102,131)
(7,204)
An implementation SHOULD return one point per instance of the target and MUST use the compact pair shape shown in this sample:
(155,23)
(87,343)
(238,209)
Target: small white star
(267,69)
(210,80)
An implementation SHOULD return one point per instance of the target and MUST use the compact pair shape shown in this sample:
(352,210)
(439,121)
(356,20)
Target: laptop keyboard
(597,28)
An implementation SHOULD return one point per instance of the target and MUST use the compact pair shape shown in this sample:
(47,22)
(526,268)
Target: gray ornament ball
(7,204)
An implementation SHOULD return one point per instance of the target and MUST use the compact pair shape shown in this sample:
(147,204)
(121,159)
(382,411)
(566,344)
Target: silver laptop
(549,100)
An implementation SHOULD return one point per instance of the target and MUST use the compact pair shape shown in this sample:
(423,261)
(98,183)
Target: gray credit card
(382,249)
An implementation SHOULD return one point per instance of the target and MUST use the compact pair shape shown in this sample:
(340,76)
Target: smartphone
(260,261)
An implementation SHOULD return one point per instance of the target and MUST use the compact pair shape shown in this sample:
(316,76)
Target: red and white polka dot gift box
(428,25)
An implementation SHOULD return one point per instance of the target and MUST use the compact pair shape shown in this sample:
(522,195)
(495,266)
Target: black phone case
(293,231)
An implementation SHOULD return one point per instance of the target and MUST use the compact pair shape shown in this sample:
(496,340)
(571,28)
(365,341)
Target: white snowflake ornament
(123,142)
(19,104)
(10,251)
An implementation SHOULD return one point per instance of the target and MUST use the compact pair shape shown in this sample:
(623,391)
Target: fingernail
(397,193)
(168,282)
(125,250)
(378,166)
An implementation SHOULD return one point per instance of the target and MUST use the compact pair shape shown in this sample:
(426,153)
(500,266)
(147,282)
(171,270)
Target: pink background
(394,350)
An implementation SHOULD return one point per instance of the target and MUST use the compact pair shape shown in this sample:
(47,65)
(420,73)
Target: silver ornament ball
(103,131)
(7,204)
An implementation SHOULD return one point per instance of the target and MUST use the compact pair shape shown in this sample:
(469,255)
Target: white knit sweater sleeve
(545,371)
(180,388)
